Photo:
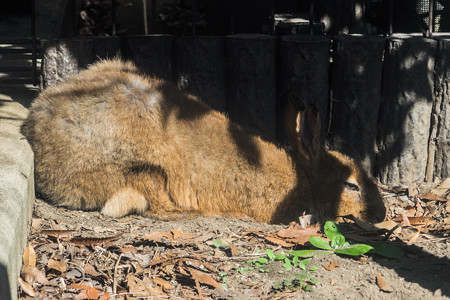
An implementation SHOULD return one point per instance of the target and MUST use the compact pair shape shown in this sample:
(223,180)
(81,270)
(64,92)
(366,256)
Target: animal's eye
(351,186)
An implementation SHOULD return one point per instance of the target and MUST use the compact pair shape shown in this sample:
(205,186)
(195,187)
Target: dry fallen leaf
(204,278)
(128,248)
(386,225)
(158,236)
(432,197)
(198,264)
(414,237)
(88,241)
(137,268)
(136,286)
(57,265)
(233,249)
(26,287)
(296,234)
(414,220)
(29,256)
(142,288)
(56,233)
(331,266)
(32,274)
(36,224)
(383,284)
(278,241)
(164,283)
(405,220)
(443,188)
(87,293)
(178,234)
(90,270)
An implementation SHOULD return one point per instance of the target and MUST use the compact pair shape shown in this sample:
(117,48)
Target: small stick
(115,274)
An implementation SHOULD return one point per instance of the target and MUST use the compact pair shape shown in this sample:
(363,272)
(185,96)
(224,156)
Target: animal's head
(338,185)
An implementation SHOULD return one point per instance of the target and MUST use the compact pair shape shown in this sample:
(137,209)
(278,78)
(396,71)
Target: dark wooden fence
(384,101)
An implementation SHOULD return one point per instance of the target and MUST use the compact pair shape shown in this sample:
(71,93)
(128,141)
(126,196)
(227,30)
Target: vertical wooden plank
(441,112)
(106,47)
(303,76)
(251,81)
(356,85)
(199,64)
(152,54)
(405,112)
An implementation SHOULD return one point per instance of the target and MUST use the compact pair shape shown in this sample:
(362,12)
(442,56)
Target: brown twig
(115,274)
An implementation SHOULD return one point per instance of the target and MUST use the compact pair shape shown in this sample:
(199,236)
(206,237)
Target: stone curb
(16,186)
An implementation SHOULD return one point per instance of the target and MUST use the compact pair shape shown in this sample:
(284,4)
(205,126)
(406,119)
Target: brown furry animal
(112,139)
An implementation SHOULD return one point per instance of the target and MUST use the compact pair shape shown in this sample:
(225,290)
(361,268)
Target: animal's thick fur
(110,138)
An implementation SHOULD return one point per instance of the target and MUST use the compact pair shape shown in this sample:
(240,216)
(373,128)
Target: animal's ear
(303,128)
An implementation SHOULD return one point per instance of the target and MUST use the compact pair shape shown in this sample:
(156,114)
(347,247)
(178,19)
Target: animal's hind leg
(125,201)
(144,191)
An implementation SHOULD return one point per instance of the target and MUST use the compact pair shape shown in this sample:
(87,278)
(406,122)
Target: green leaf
(262,260)
(313,268)
(301,276)
(280,256)
(219,244)
(331,229)
(278,285)
(338,240)
(302,253)
(295,260)
(313,280)
(320,243)
(354,250)
(287,282)
(287,264)
(302,265)
(386,250)
(270,254)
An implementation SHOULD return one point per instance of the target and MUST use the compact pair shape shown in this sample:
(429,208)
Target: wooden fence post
(356,86)
(252,81)
(199,65)
(405,112)
(303,76)
(152,54)
(440,127)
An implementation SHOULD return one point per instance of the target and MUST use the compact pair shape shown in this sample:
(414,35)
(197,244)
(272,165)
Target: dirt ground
(85,255)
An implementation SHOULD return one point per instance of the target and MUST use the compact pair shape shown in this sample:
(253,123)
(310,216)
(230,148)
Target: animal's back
(77,132)
(96,135)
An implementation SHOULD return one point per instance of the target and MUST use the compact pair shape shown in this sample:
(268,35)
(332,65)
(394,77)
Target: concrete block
(16,191)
